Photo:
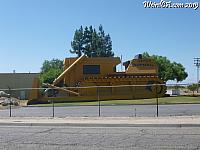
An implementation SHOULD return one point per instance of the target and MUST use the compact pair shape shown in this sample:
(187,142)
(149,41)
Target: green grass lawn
(164,100)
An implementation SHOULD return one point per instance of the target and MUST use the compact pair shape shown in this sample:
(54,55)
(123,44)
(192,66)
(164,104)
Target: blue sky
(34,30)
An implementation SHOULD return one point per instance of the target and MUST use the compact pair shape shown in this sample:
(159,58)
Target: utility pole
(197,64)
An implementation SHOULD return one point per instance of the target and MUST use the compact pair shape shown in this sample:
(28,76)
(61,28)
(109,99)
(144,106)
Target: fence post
(135,112)
(99,103)
(10,108)
(157,100)
(53,107)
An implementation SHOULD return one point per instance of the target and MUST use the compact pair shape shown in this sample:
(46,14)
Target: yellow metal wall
(132,91)
(106,67)
(76,74)
(142,66)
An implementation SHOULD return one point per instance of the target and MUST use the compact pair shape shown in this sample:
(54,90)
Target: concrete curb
(184,121)
(99,125)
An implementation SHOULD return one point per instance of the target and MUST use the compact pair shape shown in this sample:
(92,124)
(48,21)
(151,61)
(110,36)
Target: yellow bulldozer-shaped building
(87,79)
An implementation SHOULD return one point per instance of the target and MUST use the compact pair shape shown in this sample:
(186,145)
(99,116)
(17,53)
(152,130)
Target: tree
(92,43)
(168,70)
(78,42)
(179,72)
(50,70)
(193,87)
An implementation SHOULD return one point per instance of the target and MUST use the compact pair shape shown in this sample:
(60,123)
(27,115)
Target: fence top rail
(113,86)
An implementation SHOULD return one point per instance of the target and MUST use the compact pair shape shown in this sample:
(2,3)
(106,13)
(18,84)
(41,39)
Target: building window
(114,69)
(91,69)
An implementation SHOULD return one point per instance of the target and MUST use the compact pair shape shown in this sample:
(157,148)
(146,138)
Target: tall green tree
(168,70)
(50,70)
(78,42)
(92,43)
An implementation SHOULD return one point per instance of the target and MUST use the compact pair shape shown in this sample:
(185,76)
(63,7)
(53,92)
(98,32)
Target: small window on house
(114,69)
(91,69)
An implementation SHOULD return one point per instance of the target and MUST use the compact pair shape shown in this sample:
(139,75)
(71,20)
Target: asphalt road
(33,138)
(111,111)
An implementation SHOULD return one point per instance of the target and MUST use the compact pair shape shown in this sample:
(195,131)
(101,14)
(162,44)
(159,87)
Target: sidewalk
(176,121)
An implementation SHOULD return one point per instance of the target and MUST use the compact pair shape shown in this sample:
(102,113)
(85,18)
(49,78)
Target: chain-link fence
(106,101)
